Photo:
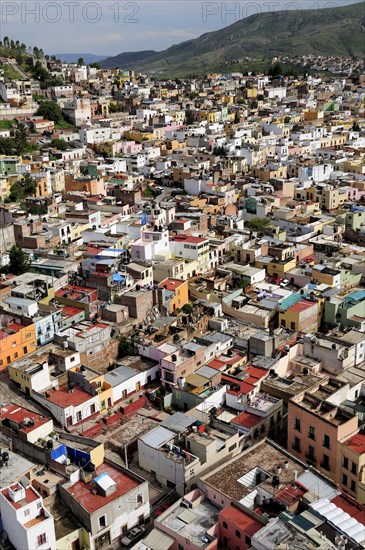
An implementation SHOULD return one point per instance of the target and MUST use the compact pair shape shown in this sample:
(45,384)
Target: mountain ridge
(330,31)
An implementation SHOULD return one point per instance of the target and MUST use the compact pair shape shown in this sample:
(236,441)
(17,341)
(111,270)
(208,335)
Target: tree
(356,127)
(50,111)
(80,61)
(116,108)
(22,188)
(126,347)
(19,261)
(236,118)
(59,144)
(7,146)
(258,224)
(189,117)
(20,138)
(187,309)
(219,151)
(95,65)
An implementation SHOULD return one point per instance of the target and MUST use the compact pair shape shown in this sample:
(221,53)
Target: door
(138,386)
(69,421)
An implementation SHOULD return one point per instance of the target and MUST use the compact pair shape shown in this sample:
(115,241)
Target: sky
(110,27)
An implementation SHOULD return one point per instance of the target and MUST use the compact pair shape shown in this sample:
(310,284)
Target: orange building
(174,294)
(316,426)
(16,341)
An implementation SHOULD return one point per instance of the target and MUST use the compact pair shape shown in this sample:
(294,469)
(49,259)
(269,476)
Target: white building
(28,523)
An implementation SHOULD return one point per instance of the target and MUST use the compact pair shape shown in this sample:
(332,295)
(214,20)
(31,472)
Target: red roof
(171,284)
(63,398)
(302,305)
(189,239)
(289,494)
(356,443)
(16,327)
(82,492)
(30,496)
(70,311)
(216,364)
(91,251)
(247,420)
(256,372)
(244,387)
(18,414)
(241,520)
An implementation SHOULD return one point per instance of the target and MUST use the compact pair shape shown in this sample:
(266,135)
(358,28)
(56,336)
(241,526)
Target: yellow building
(174,293)
(351,461)
(324,275)
(276,268)
(138,136)
(302,317)
(96,381)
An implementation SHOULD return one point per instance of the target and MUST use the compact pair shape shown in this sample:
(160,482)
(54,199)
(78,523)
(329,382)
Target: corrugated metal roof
(178,422)
(207,372)
(340,520)
(119,375)
(158,437)
(317,487)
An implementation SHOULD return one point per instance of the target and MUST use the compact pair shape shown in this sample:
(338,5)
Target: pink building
(236,527)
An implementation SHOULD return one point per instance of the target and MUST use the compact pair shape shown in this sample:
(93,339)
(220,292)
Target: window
(26,512)
(326,441)
(354,468)
(296,444)
(326,462)
(225,526)
(140,499)
(78,416)
(344,479)
(102,521)
(248,540)
(353,486)
(141,520)
(297,425)
(310,454)
(232,447)
(238,534)
(311,433)
(41,539)
(346,462)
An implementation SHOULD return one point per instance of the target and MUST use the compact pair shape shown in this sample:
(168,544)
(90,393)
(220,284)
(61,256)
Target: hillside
(74,57)
(128,60)
(332,31)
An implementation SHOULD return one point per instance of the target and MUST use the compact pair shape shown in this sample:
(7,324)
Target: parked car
(133,536)
(284,282)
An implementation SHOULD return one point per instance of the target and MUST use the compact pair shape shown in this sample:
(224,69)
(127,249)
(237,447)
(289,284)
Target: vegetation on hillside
(335,31)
